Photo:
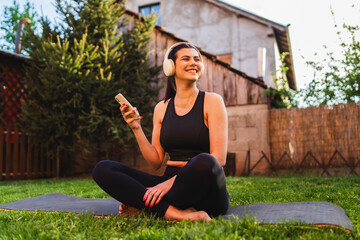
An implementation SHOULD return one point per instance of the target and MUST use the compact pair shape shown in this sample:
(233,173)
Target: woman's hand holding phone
(130,113)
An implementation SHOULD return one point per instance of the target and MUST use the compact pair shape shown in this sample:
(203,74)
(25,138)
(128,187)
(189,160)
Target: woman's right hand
(154,194)
(130,118)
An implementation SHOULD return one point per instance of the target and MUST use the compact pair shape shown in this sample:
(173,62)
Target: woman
(191,126)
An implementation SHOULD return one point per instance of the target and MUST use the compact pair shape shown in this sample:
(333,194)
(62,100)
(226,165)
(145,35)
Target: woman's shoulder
(161,105)
(214,106)
(213,98)
(160,108)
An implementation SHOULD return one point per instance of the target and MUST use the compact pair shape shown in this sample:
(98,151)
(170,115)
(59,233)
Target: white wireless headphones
(169,65)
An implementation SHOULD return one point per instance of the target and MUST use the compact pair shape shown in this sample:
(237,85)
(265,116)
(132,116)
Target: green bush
(76,69)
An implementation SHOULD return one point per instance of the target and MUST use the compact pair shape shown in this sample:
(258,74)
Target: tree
(336,80)
(78,67)
(10,19)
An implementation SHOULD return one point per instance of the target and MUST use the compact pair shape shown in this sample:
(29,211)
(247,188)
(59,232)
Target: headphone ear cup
(169,67)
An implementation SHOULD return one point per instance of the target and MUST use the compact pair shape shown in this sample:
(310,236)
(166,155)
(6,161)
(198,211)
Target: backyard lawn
(343,191)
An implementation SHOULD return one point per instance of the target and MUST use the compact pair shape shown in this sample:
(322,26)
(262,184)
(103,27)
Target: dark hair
(170,84)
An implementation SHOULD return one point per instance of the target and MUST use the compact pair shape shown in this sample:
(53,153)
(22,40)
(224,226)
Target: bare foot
(128,211)
(172,213)
(187,214)
(190,210)
(198,215)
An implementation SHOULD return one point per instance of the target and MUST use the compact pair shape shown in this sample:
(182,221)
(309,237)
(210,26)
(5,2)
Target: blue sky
(311,24)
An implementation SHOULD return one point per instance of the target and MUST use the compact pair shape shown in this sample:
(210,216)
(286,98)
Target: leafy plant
(281,96)
(76,70)
(336,80)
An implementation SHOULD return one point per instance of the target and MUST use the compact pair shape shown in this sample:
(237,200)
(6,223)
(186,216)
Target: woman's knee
(205,162)
(101,169)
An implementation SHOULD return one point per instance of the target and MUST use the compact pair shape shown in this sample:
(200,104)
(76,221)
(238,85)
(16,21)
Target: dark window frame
(150,6)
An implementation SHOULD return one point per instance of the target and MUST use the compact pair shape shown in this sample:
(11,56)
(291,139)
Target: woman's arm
(216,115)
(152,152)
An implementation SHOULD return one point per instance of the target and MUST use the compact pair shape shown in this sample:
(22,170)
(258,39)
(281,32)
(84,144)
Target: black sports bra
(184,137)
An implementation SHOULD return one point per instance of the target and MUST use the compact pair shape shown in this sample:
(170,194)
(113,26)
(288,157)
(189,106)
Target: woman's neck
(186,89)
(186,96)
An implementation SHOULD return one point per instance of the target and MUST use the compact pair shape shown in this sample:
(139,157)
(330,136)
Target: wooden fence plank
(56,163)
(29,158)
(42,162)
(22,156)
(36,161)
(1,151)
(48,163)
(8,154)
(16,154)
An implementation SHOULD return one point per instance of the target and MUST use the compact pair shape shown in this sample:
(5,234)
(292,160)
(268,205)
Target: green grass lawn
(343,191)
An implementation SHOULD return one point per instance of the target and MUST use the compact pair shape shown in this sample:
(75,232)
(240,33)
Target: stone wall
(249,130)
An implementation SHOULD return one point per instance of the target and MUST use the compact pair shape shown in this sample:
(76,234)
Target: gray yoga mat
(318,213)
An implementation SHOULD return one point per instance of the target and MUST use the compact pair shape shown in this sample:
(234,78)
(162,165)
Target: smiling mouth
(192,70)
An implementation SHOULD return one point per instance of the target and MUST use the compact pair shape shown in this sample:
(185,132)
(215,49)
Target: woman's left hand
(154,194)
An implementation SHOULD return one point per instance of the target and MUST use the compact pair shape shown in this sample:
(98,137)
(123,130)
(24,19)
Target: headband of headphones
(169,65)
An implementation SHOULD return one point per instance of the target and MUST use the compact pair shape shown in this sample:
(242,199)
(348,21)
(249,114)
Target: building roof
(281,34)
(13,56)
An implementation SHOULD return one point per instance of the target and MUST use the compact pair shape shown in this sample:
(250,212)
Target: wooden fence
(316,137)
(21,158)
(277,167)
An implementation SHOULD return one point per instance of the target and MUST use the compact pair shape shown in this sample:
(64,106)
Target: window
(146,10)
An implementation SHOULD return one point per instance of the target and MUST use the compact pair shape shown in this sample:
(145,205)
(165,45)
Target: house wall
(249,131)
(217,31)
(251,37)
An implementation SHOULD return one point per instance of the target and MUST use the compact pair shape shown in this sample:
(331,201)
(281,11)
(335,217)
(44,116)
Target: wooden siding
(234,86)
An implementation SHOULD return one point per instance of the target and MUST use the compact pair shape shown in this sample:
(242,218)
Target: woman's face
(188,64)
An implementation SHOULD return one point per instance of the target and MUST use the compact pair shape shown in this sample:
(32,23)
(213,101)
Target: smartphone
(122,100)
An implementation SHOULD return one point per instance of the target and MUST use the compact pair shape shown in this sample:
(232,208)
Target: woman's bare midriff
(176,163)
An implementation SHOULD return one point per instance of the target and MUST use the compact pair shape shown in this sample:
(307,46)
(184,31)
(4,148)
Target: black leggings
(199,184)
